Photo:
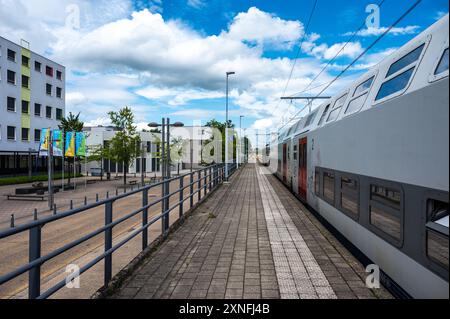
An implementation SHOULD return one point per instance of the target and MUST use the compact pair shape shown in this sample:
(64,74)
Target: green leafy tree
(71,123)
(221,127)
(124,146)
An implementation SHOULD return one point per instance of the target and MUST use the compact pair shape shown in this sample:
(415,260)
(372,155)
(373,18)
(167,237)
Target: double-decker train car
(373,161)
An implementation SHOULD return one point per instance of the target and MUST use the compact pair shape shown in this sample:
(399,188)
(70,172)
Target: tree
(124,147)
(221,127)
(70,123)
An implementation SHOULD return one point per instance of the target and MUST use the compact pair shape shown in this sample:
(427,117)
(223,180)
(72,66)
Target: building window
(443,63)
(324,114)
(48,112)
(49,71)
(59,114)
(11,131)
(437,232)
(295,152)
(58,75)
(317,182)
(37,135)
(58,92)
(328,187)
(11,104)
(48,89)
(25,82)
(399,74)
(37,109)
(37,66)
(11,55)
(350,196)
(337,108)
(25,107)
(386,212)
(149,147)
(11,75)
(25,132)
(25,61)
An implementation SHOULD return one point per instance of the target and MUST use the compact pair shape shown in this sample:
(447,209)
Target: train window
(337,108)
(437,232)
(323,115)
(310,118)
(408,59)
(350,196)
(395,84)
(317,182)
(328,187)
(443,63)
(385,211)
(365,86)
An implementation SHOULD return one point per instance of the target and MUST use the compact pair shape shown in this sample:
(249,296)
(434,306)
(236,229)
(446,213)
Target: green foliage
(71,123)
(124,147)
(221,127)
(26,179)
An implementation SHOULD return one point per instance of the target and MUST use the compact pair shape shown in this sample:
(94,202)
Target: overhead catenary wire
(337,54)
(298,50)
(410,9)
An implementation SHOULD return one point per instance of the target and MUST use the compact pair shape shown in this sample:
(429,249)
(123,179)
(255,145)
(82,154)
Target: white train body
(373,161)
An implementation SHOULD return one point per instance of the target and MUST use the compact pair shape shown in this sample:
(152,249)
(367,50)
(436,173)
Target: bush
(26,179)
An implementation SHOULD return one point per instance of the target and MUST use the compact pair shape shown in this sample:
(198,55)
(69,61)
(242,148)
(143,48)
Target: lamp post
(165,171)
(226,127)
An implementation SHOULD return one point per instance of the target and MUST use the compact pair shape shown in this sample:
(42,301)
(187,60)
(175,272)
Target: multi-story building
(32,97)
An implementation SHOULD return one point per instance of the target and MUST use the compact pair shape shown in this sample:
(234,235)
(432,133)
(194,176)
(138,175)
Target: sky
(168,58)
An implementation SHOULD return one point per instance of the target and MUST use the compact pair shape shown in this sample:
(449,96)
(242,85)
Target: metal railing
(206,179)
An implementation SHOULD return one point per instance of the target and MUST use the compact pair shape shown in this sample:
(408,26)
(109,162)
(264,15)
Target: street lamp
(226,128)
(165,170)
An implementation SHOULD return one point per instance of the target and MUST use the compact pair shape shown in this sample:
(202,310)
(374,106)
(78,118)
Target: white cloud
(262,124)
(411,29)
(324,51)
(264,28)
(197,4)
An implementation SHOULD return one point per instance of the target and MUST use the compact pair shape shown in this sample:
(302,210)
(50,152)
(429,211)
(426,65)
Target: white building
(32,97)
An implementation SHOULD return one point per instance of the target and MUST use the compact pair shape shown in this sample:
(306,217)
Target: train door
(285,163)
(302,167)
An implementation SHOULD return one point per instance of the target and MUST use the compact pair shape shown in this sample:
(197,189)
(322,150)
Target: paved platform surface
(251,239)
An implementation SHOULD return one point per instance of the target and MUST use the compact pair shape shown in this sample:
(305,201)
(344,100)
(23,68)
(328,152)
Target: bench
(26,197)
(91,181)
(132,182)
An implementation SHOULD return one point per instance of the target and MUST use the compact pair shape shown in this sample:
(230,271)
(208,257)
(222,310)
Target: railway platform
(250,239)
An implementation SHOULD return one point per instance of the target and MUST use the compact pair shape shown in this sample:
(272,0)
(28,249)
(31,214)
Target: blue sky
(169,57)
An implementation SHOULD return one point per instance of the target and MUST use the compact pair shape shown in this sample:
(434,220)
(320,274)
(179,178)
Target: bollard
(12,220)
(85,200)
(96,198)
(107,194)
(35,214)
(117,191)
(71,204)
(54,209)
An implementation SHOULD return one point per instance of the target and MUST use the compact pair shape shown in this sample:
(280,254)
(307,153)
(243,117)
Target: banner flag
(57,143)
(70,144)
(80,144)
(43,143)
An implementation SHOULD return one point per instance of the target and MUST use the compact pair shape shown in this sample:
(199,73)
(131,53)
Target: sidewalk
(250,239)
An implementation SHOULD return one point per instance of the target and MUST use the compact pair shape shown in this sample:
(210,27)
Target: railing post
(191,189)
(34,277)
(210,179)
(108,241)
(199,186)
(205,181)
(181,196)
(144,218)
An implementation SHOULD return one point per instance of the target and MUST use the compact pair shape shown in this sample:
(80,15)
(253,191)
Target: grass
(26,179)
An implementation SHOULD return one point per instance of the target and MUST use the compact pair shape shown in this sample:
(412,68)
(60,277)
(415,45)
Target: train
(373,163)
